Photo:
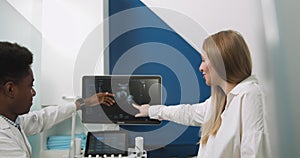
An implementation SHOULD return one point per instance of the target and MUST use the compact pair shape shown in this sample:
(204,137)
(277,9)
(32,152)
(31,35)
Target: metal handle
(70,97)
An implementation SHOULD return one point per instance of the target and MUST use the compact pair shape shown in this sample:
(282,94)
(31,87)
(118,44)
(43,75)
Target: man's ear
(9,89)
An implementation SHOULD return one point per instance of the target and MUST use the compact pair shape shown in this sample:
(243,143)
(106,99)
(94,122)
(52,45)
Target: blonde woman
(233,118)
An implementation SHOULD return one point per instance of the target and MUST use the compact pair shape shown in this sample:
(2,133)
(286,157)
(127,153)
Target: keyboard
(116,156)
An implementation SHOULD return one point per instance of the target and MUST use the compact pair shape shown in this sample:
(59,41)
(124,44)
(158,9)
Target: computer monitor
(127,89)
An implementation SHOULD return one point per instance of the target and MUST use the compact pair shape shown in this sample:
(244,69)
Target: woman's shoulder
(253,88)
(250,86)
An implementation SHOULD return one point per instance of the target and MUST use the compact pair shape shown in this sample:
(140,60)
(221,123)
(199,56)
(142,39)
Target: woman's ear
(9,89)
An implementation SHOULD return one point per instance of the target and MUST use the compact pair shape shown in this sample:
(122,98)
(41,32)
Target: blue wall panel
(143,44)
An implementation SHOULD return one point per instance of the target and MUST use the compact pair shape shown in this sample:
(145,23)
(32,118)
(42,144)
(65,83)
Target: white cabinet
(61,129)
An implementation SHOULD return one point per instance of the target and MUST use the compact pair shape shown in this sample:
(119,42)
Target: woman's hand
(100,98)
(143,110)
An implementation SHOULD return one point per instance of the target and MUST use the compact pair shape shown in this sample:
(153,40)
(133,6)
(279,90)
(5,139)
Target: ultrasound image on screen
(127,90)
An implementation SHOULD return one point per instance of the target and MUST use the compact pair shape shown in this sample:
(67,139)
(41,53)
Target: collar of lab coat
(4,124)
(18,136)
(239,87)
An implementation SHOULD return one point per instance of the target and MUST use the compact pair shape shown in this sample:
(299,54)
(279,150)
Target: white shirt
(243,130)
(14,143)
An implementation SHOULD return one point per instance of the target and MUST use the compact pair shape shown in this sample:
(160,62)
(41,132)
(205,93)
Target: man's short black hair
(15,62)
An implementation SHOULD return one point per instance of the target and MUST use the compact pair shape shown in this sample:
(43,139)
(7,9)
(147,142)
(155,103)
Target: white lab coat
(243,132)
(14,144)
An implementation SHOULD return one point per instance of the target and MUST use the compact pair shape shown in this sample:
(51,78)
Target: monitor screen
(127,90)
(106,143)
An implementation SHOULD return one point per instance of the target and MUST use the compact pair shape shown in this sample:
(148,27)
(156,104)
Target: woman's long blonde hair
(230,57)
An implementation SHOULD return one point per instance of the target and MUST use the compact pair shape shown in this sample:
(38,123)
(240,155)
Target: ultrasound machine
(127,89)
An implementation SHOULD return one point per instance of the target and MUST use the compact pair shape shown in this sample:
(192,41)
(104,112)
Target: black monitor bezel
(136,121)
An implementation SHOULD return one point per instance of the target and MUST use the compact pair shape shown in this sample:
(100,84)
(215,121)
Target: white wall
(66,28)
(216,15)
